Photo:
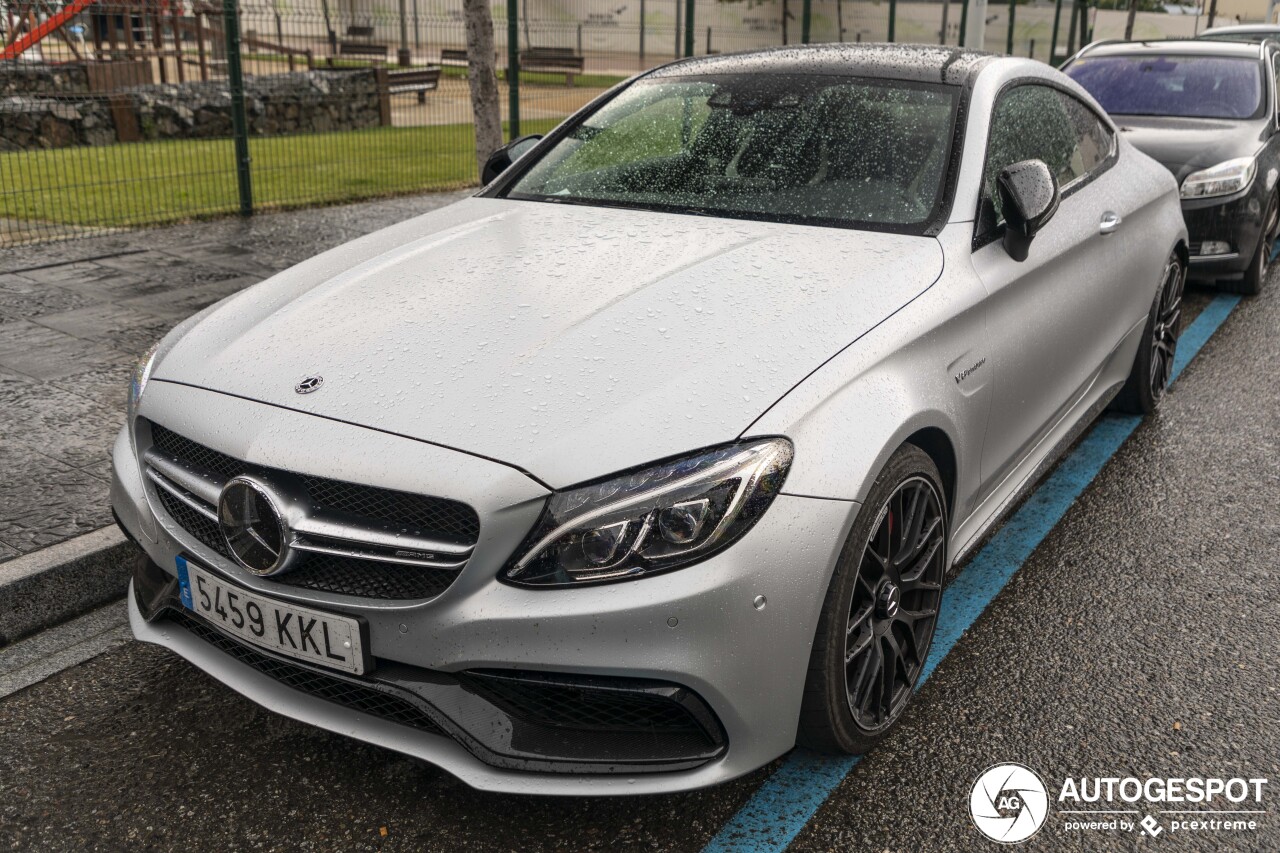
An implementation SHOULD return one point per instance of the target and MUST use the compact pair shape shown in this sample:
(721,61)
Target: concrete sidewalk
(75,316)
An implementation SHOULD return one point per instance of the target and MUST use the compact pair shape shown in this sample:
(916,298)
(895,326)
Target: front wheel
(881,610)
(1153,365)
(1256,275)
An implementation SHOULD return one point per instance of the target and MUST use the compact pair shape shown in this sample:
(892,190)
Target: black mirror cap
(1029,198)
(500,160)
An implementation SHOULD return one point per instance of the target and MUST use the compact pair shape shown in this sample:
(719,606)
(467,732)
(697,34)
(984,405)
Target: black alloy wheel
(1256,275)
(881,609)
(1266,249)
(1168,319)
(894,609)
(1153,364)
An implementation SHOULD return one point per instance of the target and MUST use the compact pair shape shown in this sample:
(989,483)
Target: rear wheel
(1153,365)
(1256,276)
(881,610)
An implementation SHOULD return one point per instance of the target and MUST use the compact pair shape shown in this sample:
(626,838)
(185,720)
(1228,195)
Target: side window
(1034,122)
(1094,141)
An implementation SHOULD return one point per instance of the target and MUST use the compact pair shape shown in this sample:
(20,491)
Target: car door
(1055,317)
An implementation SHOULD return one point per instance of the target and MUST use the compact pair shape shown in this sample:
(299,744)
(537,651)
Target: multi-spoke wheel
(895,604)
(881,609)
(1164,333)
(1153,365)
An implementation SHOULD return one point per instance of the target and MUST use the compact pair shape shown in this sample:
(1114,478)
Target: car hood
(1184,145)
(568,341)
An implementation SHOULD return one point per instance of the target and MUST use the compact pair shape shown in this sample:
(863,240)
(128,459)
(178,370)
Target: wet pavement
(1142,637)
(75,317)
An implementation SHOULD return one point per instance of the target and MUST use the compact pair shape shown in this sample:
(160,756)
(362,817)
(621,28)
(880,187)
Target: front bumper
(696,629)
(1236,220)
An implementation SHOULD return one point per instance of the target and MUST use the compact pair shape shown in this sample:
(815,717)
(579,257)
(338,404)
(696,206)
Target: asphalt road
(1141,638)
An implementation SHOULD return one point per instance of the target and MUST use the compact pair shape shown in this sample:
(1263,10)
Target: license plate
(286,629)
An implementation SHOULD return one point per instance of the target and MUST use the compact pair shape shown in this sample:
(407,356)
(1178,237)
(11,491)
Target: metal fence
(139,112)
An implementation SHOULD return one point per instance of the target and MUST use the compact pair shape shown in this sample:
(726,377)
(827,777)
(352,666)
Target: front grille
(440,517)
(447,519)
(365,579)
(340,691)
(362,507)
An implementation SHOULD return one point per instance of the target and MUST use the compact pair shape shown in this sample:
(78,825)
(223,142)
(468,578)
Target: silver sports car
(651,459)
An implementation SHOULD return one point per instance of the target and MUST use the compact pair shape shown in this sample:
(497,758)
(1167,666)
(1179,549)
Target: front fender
(922,368)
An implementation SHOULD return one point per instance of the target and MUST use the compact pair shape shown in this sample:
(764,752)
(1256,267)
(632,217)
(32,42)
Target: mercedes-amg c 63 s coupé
(651,459)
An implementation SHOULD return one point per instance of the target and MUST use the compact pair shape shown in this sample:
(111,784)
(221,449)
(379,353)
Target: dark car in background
(1206,109)
(1243,32)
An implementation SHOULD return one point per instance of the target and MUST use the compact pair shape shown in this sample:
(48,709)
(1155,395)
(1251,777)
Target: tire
(1256,275)
(1153,365)
(860,611)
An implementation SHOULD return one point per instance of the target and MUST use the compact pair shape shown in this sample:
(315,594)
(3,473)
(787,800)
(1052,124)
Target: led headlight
(654,519)
(1222,179)
(138,382)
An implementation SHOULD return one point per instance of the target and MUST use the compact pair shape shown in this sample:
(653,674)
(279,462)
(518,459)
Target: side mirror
(1028,199)
(500,160)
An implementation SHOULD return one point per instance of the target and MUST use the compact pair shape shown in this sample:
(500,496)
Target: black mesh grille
(339,691)
(198,525)
(368,579)
(352,576)
(196,455)
(321,572)
(586,707)
(438,517)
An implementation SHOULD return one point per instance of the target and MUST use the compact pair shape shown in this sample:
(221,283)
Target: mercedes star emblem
(253,527)
(309,384)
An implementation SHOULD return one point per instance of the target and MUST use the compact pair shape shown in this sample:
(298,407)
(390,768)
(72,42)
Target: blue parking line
(789,798)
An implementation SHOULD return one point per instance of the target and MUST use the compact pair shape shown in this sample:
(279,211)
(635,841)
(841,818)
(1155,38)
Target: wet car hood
(569,341)
(1185,145)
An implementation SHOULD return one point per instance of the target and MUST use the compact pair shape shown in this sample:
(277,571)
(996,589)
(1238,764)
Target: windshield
(815,149)
(1186,86)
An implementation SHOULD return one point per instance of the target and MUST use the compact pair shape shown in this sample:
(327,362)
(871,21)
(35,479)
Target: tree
(482,78)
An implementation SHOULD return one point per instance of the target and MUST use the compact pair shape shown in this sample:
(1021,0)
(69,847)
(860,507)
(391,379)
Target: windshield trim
(1259,65)
(930,225)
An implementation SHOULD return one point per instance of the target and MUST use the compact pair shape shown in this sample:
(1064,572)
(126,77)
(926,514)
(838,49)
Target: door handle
(1109,223)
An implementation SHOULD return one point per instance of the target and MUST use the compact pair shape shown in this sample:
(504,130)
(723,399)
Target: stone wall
(29,123)
(301,102)
(17,78)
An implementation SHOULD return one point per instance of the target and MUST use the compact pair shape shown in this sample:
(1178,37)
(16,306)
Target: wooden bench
(554,59)
(363,50)
(453,56)
(355,31)
(420,80)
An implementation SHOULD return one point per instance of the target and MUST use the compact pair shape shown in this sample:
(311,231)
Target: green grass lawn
(148,183)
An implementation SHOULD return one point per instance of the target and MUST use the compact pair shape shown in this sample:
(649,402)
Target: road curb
(58,583)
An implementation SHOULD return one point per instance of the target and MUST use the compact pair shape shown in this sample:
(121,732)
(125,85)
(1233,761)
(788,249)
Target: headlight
(1222,179)
(138,382)
(654,519)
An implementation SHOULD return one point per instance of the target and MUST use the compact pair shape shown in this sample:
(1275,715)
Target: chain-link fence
(123,113)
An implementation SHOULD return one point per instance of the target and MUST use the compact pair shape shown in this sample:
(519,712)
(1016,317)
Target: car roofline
(1195,46)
